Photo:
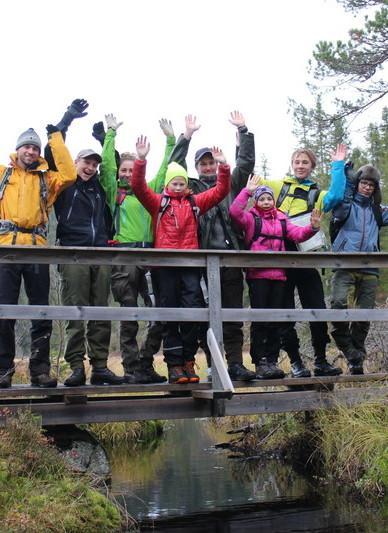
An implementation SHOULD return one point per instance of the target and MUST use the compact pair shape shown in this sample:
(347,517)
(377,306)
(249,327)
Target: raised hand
(142,147)
(339,154)
(253,182)
(77,108)
(315,218)
(191,126)
(111,122)
(237,119)
(166,127)
(218,155)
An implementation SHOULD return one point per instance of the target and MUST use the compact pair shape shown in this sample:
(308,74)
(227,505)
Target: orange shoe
(177,374)
(190,372)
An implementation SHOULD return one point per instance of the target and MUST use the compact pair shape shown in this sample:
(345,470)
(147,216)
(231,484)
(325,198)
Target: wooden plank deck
(97,404)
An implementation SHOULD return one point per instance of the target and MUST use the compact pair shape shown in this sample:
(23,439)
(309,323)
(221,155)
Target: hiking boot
(76,379)
(6,377)
(355,362)
(323,368)
(144,376)
(153,376)
(43,380)
(237,371)
(176,374)
(104,376)
(268,370)
(356,369)
(190,372)
(298,370)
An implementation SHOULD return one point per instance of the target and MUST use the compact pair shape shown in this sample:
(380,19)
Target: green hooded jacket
(132,221)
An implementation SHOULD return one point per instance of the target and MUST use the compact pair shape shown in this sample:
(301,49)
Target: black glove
(50,128)
(75,110)
(99,132)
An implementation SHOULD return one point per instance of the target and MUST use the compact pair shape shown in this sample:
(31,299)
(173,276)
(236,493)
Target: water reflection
(185,476)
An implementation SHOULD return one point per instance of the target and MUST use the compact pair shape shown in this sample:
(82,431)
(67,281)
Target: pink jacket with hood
(271,225)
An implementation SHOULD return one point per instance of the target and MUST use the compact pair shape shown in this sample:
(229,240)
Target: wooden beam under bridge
(85,405)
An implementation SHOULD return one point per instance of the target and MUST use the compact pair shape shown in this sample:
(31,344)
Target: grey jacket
(217,230)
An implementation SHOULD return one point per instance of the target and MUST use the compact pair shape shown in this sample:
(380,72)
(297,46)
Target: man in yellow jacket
(28,190)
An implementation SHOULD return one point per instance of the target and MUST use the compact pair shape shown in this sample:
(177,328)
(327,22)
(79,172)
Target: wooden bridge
(221,397)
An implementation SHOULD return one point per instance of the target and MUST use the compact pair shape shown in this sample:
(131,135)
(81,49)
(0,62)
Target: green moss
(39,494)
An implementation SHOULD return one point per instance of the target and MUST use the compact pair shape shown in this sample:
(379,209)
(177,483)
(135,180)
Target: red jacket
(178,227)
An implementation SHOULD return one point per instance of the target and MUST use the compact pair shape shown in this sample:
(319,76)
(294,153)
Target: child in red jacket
(175,222)
(266,229)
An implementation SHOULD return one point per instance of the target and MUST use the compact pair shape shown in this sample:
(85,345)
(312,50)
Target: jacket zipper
(72,204)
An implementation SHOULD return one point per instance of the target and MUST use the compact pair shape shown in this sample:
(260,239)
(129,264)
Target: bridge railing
(209,260)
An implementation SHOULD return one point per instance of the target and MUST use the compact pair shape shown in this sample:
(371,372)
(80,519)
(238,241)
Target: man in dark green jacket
(217,231)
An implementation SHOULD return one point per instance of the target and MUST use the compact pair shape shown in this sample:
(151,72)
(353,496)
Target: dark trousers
(360,287)
(179,287)
(232,289)
(127,283)
(265,336)
(37,285)
(311,295)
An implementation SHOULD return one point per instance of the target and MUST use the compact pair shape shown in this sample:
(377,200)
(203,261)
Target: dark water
(185,484)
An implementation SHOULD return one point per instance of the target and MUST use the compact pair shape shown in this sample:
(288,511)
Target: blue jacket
(360,232)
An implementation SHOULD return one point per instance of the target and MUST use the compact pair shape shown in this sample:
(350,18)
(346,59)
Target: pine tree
(357,64)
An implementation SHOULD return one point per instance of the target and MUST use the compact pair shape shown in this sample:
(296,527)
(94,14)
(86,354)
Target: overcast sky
(147,59)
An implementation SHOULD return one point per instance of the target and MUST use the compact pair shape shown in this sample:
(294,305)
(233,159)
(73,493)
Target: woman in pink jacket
(266,229)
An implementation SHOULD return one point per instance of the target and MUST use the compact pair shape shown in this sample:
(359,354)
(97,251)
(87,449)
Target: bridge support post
(215,306)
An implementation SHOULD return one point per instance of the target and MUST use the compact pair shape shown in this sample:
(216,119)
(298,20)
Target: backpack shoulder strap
(313,196)
(4,180)
(194,206)
(282,194)
(43,192)
(283,223)
(378,214)
(164,203)
(257,230)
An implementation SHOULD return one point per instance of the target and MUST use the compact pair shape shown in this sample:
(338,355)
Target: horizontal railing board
(166,408)
(163,257)
(57,312)
(27,391)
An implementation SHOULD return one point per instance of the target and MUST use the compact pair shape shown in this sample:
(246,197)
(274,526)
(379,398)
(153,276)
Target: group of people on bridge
(105,200)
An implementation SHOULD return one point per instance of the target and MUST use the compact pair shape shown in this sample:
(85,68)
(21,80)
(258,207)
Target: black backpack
(258,233)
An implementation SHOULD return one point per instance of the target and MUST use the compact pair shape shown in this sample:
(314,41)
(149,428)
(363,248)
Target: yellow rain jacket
(22,205)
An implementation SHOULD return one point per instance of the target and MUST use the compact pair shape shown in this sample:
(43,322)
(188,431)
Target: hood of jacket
(39,166)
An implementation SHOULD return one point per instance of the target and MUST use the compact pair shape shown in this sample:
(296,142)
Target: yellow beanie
(174,170)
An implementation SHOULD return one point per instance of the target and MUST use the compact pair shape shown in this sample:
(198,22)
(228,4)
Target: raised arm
(179,153)
(149,198)
(237,209)
(108,167)
(157,184)
(77,109)
(66,173)
(336,192)
(245,152)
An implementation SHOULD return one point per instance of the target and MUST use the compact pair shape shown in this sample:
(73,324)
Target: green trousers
(357,288)
(87,286)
